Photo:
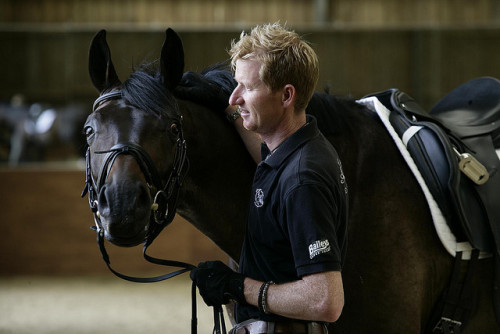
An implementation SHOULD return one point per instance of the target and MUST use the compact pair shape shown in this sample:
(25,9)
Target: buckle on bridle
(157,214)
(447,325)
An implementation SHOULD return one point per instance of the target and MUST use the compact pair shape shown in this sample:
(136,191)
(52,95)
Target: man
(289,276)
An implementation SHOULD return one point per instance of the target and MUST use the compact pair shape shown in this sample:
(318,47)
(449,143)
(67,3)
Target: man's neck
(285,130)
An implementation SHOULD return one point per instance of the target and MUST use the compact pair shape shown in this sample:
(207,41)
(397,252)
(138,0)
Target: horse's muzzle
(124,210)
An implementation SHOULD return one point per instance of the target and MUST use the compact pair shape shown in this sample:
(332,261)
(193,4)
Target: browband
(106,96)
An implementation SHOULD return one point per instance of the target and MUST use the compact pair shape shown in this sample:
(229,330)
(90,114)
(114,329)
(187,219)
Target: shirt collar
(291,144)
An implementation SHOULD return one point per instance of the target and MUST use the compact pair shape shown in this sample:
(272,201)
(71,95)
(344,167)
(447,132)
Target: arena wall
(46,230)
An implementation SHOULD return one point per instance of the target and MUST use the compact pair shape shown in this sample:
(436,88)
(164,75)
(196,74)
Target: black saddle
(454,149)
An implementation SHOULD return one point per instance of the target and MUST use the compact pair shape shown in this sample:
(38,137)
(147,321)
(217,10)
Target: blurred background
(52,279)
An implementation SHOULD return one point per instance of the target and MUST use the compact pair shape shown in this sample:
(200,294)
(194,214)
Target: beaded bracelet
(234,116)
(262,302)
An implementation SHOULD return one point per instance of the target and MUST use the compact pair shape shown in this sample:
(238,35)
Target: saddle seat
(472,109)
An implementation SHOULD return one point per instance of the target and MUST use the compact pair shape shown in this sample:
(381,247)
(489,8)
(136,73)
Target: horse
(40,131)
(395,268)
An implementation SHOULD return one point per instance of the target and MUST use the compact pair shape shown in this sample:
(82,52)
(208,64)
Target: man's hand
(218,284)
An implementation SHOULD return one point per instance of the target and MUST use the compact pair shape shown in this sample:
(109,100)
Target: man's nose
(235,98)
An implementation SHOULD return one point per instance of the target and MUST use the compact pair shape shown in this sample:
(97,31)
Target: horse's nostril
(102,199)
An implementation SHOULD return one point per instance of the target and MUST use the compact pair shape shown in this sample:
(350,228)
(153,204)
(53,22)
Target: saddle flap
(432,147)
(435,163)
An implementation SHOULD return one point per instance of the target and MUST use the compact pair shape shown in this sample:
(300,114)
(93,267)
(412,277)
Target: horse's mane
(333,113)
(144,89)
(328,109)
(220,74)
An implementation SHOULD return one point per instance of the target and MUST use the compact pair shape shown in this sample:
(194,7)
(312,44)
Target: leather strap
(185,267)
(106,96)
(453,310)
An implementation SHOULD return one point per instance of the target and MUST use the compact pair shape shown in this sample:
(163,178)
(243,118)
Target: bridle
(164,204)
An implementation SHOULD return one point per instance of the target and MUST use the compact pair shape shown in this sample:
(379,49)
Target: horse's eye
(174,129)
(88,131)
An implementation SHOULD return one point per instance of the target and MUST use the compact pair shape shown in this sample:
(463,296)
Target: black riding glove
(211,90)
(218,284)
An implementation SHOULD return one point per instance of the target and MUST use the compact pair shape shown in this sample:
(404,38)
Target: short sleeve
(316,228)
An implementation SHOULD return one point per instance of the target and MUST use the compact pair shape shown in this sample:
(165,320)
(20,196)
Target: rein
(164,205)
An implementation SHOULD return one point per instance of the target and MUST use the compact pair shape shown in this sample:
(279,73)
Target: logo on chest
(259,198)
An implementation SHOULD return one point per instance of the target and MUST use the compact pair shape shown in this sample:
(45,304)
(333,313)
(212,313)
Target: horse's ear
(101,69)
(172,59)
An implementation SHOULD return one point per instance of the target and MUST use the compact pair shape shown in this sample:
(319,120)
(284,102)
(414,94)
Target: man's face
(261,109)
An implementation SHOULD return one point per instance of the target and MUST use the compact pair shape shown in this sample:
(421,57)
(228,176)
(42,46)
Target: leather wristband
(262,300)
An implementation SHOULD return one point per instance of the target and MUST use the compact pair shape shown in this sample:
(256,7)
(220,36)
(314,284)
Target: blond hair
(286,59)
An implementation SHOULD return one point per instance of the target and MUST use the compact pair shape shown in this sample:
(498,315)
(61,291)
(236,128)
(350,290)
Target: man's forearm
(318,297)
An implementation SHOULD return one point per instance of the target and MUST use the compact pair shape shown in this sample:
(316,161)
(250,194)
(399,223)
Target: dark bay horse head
(136,156)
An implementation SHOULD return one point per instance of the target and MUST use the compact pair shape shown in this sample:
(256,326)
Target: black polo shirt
(297,223)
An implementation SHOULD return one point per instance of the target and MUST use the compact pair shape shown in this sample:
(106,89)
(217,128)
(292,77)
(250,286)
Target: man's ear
(288,95)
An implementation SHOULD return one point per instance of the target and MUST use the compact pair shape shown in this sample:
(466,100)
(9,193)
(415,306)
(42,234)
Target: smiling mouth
(244,113)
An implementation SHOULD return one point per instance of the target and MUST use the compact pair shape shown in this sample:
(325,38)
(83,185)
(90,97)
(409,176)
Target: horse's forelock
(145,90)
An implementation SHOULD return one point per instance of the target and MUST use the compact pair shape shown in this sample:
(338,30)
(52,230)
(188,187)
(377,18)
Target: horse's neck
(215,194)
(379,181)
